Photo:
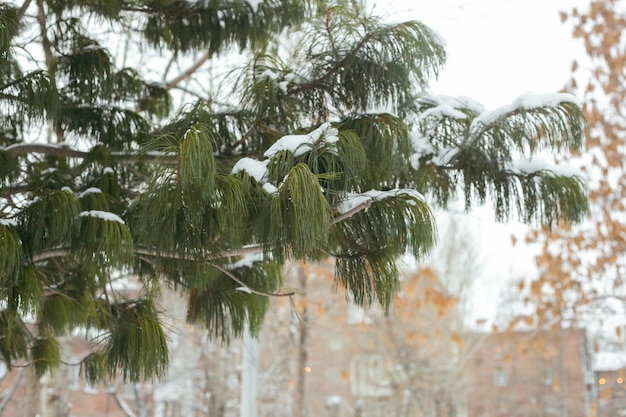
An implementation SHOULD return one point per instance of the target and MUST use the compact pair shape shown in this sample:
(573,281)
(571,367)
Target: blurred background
(503,320)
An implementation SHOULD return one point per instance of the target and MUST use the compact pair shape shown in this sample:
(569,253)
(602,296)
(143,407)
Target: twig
(247,287)
(9,393)
(185,75)
(20,15)
(120,401)
(66,152)
(364,205)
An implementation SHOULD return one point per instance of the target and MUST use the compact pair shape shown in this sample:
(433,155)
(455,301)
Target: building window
(498,353)
(90,388)
(73,377)
(501,378)
(501,405)
(547,379)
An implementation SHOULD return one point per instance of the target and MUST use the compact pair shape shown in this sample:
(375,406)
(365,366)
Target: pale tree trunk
(34,397)
(216,375)
(249,360)
(299,403)
(142,409)
(8,394)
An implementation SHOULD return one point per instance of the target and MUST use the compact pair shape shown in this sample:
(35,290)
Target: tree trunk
(33,398)
(299,403)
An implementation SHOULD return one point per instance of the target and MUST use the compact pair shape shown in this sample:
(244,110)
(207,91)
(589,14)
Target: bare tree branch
(364,205)
(120,401)
(22,10)
(63,151)
(9,393)
(190,71)
(247,287)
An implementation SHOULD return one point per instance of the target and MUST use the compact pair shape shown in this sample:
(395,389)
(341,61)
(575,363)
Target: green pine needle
(46,355)
(12,255)
(136,344)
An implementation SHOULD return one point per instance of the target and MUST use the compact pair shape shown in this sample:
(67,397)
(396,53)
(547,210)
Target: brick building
(529,374)
(610,375)
(358,363)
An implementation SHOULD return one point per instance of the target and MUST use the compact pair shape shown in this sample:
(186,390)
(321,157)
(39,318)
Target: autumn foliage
(582,267)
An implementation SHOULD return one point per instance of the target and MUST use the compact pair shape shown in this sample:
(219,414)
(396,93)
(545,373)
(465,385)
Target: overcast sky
(497,50)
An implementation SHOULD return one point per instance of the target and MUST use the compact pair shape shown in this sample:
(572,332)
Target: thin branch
(66,152)
(190,71)
(141,404)
(364,205)
(51,254)
(47,49)
(169,65)
(247,287)
(20,14)
(246,250)
(9,393)
(120,401)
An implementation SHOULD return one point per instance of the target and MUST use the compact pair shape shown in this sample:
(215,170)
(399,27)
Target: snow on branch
(104,215)
(252,167)
(301,144)
(439,106)
(525,102)
(361,201)
(8,222)
(536,165)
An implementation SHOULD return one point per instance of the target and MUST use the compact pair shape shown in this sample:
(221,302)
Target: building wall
(611,393)
(531,374)
(359,363)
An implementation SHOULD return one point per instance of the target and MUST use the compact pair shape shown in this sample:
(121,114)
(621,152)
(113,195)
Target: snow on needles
(90,190)
(354,200)
(301,144)
(104,215)
(524,102)
(296,144)
(534,165)
(8,222)
(252,167)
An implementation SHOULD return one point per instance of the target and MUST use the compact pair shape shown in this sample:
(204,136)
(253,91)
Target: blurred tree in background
(582,268)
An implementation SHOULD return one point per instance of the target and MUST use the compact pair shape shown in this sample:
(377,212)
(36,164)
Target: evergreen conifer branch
(224,254)
(180,193)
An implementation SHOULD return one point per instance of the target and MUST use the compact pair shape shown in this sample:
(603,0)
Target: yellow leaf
(457,340)
(345,375)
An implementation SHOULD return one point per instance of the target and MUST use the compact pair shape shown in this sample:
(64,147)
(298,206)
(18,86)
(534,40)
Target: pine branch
(339,65)
(47,49)
(246,250)
(364,205)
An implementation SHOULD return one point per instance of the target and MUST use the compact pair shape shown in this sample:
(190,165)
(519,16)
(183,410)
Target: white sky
(497,51)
